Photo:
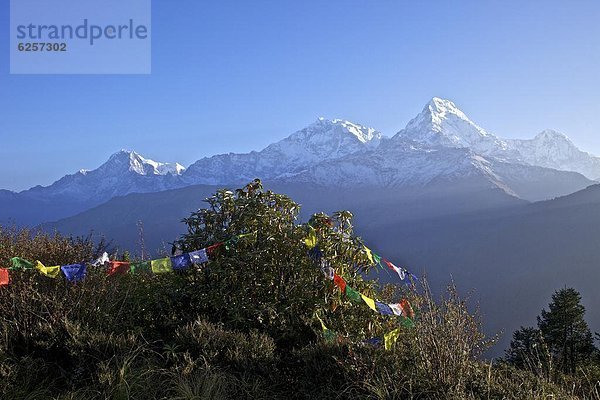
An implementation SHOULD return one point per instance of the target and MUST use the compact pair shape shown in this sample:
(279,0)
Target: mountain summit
(553,149)
(129,161)
(442,123)
(320,141)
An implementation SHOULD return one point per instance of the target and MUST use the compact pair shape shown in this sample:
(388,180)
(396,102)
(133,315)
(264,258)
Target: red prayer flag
(211,249)
(118,267)
(339,282)
(4,277)
(389,264)
(407,309)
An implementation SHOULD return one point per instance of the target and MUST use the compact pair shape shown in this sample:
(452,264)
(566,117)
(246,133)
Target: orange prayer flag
(4,277)
(339,282)
(118,267)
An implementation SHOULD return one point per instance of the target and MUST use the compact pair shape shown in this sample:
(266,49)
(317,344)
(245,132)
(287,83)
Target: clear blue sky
(238,75)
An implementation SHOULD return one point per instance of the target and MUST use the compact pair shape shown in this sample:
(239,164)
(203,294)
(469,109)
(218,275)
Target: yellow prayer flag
(370,302)
(322,323)
(390,338)
(51,272)
(369,254)
(161,266)
(311,239)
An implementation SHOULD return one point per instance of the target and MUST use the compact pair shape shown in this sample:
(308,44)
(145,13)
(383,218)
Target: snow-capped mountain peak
(439,110)
(127,160)
(322,140)
(362,133)
(552,149)
(442,123)
(552,135)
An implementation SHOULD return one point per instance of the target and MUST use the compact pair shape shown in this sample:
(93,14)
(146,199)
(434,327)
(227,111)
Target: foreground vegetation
(244,326)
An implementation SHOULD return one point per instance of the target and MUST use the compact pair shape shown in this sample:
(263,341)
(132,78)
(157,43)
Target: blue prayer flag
(74,272)
(373,341)
(383,308)
(198,256)
(181,262)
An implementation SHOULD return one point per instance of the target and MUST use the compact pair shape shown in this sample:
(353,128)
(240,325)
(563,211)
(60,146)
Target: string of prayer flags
(118,267)
(390,338)
(4,277)
(199,256)
(181,262)
(161,266)
(77,272)
(74,272)
(50,272)
(402,309)
(19,263)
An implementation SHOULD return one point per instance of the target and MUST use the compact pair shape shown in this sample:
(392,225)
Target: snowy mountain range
(124,172)
(441,123)
(440,146)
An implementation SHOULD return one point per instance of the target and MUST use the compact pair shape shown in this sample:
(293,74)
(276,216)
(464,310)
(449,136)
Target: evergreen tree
(566,331)
(528,350)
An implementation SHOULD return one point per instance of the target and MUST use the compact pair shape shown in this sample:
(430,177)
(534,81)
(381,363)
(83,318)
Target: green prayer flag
(19,263)
(377,259)
(329,335)
(407,322)
(353,295)
(140,267)
(161,266)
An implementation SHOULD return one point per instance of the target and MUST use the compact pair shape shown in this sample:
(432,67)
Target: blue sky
(238,75)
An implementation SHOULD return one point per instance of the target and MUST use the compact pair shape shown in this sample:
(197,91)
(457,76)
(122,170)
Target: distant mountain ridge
(440,146)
